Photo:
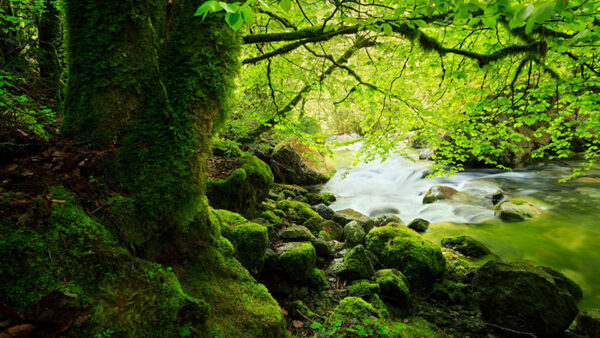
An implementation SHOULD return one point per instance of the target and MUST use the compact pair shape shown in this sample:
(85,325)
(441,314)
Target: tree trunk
(151,79)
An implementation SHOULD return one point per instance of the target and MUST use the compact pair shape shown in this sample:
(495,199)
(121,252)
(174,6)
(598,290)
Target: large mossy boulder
(398,247)
(295,163)
(393,286)
(419,225)
(244,189)
(524,298)
(354,234)
(356,265)
(297,259)
(297,233)
(466,246)
(346,216)
(353,308)
(334,230)
(516,210)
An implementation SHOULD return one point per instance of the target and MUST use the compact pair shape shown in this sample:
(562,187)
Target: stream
(566,236)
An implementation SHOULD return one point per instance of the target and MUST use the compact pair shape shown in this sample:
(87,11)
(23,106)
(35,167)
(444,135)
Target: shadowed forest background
(212,168)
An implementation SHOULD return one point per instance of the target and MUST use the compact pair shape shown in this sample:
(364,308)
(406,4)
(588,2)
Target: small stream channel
(566,236)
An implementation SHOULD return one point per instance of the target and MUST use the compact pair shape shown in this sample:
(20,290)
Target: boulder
(291,165)
(354,234)
(317,279)
(393,286)
(439,192)
(449,292)
(322,247)
(419,225)
(564,282)
(398,247)
(250,241)
(296,211)
(353,308)
(328,198)
(334,230)
(588,322)
(356,265)
(324,211)
(296,233)
(225,148)
(363,288)
(244,189)
(516,210)
(297,259)
(524,298)
(466,246)
(346,216)
(314,223)
(385,219)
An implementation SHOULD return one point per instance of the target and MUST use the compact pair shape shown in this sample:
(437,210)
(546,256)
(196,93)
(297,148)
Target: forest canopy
(477,79)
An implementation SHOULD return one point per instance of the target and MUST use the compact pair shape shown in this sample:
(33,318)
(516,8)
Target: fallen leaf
(284,312)
(297,324)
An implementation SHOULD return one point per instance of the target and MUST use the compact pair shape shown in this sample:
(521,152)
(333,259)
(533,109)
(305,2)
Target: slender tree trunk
(151,79)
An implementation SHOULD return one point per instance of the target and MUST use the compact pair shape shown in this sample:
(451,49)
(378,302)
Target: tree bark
(152,80)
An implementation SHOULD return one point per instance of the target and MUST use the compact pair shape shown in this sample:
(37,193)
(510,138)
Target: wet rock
(346,216)
(516,210)
(466,246)
(334,266)
(354,234)
(324,211)
(296,211)
(524,298)
(588,322)
(438,193)
(313,198)
(393,286)
(290,165)
(426,154)
(334,230)
(449,292)
(496,197)
(296,233)
(322,247)
(356,265)
(564,282)
(419,225)
(328,198)
(385,219)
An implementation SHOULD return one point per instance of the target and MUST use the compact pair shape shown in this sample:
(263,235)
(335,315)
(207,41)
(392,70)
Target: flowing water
(566,236)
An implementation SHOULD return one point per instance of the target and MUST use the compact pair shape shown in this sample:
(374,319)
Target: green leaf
(524,13)
(232,19)
(530,23)
(229,8)
(387,29)
(248,15)
(489,21)
(421,23)
(544,13)
(286,5)
(515,23)
(207,7)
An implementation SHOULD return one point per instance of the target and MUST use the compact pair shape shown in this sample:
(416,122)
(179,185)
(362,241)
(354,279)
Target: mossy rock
(438,193)
(564,282)
(296,210)
(297,259)
(296,233)
(419,225)
(466,246)
(588,322)
(333,229)
(322,247)
(317,279)
(346,216)
(250,241)
(324,211)
(353,308)
(393,286)
(315,223)
(458,267)
(363,288)
(327,198)
(449,292)
(516,210)
(356,265)
(524,298)
(244,189)
(225,148)
(385,219)
(313,198)
(129,295)
(292,164)
(398,247)
(227,221)
(354,234)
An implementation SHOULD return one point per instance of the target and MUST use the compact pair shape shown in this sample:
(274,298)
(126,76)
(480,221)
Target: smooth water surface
(566,237)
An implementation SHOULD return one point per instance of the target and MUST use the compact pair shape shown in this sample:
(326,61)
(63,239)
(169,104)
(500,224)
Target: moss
(225,247)
(299,310)
(250,241)
(298,262)
(393,286)
(317,279)
(240,307)
(354,234)
(420,260)
(466,246)
(333,229)
(225,148)
(227,221)
(353,308)
(297,210)
(314,223)
(356,265)
(313,198)
(72,252)
(363,288)
(449,292)
(324,235)
(327,197)
(271,217)
(378,237)
(244,189)
(457,266)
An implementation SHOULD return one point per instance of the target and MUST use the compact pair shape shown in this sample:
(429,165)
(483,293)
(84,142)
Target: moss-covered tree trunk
(151,79)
